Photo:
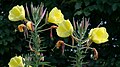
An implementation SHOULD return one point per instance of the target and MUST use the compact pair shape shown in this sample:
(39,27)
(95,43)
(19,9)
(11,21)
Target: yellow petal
(29,66)
(98,35)
(55,16)
(65,29)
(17,13)
(16,62)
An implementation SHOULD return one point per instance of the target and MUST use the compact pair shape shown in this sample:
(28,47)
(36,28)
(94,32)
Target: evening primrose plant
(30,26)
(77,32)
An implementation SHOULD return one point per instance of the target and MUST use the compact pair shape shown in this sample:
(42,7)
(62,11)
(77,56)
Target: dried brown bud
(59,43)
(21,27)
(95,54)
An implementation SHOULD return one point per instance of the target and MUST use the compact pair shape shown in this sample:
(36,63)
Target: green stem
(70,45)
(75,38)
(44,30)
(42,26)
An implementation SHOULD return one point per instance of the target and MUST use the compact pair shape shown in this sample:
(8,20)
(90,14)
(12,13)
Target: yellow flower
(99,35)
(16,62)
(65,29)
(21,27)
(30,66)
(17,13)
(29,25)
(55,16)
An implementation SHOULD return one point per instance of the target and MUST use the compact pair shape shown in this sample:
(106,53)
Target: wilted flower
(21,27)
(30,25)
(16,61)
(17,13)
(65,29)
(98,35)
(55,16)
(95,54)
(61,44)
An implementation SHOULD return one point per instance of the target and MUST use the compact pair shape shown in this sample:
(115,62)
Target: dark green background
(106,11)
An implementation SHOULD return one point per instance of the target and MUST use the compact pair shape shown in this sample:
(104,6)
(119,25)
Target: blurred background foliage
(106,12)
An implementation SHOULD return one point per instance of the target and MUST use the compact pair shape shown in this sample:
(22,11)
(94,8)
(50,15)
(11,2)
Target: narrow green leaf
(78,5)
(78,12)
(87,2)
(87,13)
(114,7)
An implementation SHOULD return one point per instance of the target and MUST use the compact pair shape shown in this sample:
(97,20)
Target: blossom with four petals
(98,35)
(65,29)
(17,13)
(16,61)
(55,16)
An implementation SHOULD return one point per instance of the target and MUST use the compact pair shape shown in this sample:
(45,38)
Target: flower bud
(30,26)
(95,54)
(21,27)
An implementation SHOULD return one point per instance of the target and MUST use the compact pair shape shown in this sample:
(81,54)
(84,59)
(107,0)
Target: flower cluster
(98,35)
(30,29)
(65,27)
(17,13)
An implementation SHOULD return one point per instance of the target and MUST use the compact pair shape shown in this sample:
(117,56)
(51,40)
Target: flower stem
(44,30)
(70,46)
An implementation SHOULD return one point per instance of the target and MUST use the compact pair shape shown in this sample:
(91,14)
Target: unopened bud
(95,54)
(30,25)
(59,43)
(21,27)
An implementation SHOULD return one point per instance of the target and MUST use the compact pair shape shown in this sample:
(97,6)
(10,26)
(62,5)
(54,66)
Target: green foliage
(8,40)
(86,7)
